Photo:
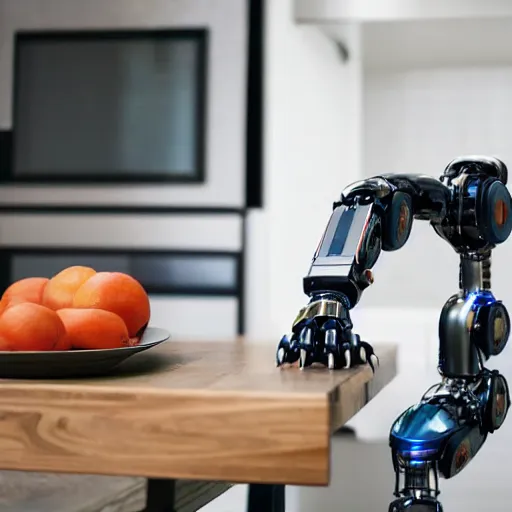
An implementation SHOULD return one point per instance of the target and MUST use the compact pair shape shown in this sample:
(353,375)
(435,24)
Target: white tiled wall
(417,121)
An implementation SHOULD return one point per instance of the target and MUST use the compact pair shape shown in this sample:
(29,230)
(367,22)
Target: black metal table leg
(160,495)
(266,498)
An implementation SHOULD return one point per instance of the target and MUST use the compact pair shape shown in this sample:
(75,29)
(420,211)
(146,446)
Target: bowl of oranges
(79,322)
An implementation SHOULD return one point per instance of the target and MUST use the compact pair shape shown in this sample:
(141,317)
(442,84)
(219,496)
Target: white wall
(332,11)
(425,43)
(312,116)
(417,120)
(329,123)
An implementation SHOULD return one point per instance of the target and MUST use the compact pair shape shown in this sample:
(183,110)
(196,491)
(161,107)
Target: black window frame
(8,253)
(201,35)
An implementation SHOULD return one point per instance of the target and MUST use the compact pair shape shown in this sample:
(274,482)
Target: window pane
(166,273)
(122,106)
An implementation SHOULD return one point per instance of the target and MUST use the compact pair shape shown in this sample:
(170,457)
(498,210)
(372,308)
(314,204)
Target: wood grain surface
(201,411)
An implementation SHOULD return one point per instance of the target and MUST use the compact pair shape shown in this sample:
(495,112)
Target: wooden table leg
(266,498)
(161,495)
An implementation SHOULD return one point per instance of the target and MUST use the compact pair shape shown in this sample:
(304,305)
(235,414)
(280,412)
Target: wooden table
(216,411)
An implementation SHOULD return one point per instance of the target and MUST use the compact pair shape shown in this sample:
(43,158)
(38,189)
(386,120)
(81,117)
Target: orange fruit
(4,346)
(61,288)
(118,293)
(29,326)
(29,289)
(94,328)
(6,303)
(63,343)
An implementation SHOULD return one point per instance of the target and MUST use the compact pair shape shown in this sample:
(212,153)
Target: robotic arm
(469,207)
(372,215)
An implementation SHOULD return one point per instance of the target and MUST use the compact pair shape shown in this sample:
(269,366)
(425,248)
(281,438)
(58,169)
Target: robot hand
(322,333)
(371,216)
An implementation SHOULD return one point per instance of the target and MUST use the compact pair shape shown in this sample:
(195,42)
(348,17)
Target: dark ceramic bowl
(73,363)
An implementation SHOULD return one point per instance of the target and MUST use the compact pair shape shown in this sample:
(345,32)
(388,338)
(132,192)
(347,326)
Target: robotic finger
(287,351)
(326,341)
